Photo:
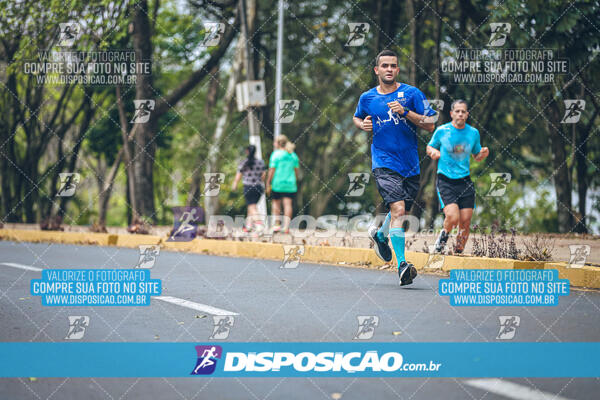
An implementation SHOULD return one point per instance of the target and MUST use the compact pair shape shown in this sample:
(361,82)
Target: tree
(41,122)
(145,135)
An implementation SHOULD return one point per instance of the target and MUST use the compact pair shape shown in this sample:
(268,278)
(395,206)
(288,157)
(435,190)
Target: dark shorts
(253,193)
(460,191)
(281,195)
(394,187)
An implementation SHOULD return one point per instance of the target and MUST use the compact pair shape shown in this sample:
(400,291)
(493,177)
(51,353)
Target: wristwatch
(406,110)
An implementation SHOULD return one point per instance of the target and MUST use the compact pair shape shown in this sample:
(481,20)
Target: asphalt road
(307,303)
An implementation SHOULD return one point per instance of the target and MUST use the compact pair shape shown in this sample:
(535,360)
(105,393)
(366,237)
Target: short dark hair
(384,53)
(459,101)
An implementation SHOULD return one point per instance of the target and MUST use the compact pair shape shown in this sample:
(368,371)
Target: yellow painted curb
(586,276)
(99,239)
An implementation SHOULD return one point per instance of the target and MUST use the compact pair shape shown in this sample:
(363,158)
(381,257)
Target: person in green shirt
(282,180)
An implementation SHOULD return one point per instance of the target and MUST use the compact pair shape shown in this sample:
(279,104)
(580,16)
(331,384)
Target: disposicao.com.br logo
(311,362)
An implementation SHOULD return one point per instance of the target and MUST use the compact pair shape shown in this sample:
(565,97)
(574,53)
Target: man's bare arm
(363,124)
(421,121)
(433,153)
(482,154)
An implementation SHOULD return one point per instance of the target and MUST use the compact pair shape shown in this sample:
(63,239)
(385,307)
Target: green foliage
(327,77)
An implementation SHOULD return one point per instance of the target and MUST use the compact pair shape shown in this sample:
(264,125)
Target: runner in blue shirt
(453,144)
(393,111)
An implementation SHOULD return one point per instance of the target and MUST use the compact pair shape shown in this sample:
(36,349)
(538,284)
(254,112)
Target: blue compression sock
(397,237)
(385,227)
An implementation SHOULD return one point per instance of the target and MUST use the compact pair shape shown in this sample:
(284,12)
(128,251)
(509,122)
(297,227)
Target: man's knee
(452,218)
(397,211)
(465,222)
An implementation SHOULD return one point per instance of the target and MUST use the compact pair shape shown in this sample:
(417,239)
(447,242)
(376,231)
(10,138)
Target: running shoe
(406,272)
(381,247)
(440,243)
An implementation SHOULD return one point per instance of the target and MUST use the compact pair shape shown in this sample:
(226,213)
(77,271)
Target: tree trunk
(129,168)
(211,203)
(378,19)
(30,192)
(195,192)
(193,199)
(8,214)
(105,189)
(427,204)
(581,169)
(144,143)
(582,181)
(213,91)
(87,119)
(410,16)
(562,182)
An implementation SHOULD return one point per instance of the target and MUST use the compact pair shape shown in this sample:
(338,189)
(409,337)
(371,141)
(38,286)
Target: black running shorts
(394,187)
(459,191)
(281,195)
(252,193)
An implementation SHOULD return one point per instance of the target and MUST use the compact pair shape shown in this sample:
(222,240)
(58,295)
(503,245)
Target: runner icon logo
(508,326)
(222,326)
(77,325)
(69,33)
(358,32)
(579,254)
(499,34)
(366,326)
(148,255)
(212,183)
(291,255)
(185,224)
(500,181)
(287,111)
(68,184)
(212,33)
(573,109)
(358,183)
(143,109)
(207,359)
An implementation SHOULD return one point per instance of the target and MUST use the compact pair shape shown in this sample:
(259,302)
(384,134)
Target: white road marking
(194,306)
(169,299)
(21,266)
(512,390)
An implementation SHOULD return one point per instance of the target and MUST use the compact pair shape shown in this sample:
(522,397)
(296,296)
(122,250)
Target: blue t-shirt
(394,137)
(456,147)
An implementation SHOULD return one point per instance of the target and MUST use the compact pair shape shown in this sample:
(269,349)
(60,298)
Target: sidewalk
(416,242)
(290,255)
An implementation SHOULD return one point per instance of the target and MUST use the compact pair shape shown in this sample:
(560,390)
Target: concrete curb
(588,277)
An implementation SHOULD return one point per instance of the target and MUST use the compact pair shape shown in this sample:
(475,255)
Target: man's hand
(433,153)
(367,124)
(396,107)
(268,190)
(482,154)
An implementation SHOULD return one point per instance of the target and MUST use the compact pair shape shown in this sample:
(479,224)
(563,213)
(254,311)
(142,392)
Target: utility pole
(277,130)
